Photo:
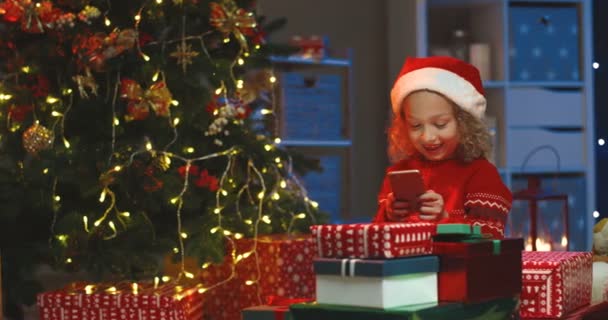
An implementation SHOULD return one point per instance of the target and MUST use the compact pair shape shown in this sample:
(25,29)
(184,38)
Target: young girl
(437,128)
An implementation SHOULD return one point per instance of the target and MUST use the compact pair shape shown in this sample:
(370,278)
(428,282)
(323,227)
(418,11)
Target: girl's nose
(429,135)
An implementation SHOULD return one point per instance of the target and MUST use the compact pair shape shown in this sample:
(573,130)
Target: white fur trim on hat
(449,84)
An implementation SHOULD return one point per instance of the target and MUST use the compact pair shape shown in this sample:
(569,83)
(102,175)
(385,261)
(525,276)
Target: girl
(437,128)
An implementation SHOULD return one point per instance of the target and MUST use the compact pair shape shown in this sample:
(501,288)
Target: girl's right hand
(396,210)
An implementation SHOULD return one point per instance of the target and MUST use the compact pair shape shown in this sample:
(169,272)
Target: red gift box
(282,267)
(373,240)
(310,46)
(124,301)
(555,283)
(479,270)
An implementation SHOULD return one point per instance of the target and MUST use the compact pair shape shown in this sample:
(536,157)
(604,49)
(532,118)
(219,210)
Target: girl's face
(431,124)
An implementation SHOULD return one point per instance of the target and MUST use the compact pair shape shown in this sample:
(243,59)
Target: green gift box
(498,309)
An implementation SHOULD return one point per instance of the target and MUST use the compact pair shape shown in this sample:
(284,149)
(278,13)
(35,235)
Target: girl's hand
(431,206)
(396,210)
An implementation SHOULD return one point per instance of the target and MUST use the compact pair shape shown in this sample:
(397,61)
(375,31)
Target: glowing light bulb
(51,99)
(102,196)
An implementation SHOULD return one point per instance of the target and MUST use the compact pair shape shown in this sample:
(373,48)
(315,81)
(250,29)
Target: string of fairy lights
(234,18)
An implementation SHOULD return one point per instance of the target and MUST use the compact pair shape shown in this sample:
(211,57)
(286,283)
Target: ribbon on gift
(282,304)
(279,301)
(348,267)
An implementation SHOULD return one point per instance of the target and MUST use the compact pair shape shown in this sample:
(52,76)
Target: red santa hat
(453,78)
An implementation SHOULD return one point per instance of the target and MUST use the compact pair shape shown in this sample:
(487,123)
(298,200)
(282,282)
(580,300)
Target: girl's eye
(441,125)
(415,126)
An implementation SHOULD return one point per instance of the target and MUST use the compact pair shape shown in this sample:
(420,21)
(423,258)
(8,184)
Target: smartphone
(407,185)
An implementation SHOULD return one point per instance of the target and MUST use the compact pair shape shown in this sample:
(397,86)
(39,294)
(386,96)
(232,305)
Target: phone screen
(407,185)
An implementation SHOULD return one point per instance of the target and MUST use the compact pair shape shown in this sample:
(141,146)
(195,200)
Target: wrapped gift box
(265,312)
(373,240)
(479,270)
(377,283)
(123,300)
(499,309)
(283,268)
(555,283)
(463,229)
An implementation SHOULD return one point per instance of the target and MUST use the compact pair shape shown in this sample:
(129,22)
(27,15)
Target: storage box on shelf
(539,88)
(313,117)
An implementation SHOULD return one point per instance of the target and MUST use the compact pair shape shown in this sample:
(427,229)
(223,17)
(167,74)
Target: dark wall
(600,43)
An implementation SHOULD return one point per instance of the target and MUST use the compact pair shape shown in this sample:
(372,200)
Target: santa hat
(453,78)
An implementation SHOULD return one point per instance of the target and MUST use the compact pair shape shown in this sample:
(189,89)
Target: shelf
(549,170)
(316,143)
(492,84)
(544,1)
(556,128)
(309,61)
(547,84)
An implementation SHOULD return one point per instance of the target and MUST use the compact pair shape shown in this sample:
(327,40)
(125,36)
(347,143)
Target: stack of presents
(429,271)
(355,271)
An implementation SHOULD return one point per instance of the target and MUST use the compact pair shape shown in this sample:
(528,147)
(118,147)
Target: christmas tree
(135,128)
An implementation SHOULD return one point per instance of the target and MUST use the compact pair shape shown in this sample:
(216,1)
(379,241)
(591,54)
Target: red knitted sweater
(472,192)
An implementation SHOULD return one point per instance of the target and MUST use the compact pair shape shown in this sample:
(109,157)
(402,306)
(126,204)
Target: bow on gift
(157,97)
(228,18)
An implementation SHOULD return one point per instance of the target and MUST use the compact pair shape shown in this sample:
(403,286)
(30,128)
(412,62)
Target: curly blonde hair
(475,140)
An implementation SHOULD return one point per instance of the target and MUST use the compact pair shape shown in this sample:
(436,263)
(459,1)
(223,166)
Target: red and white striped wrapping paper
(285,266)
(374,240)
(96,302)
(555,283)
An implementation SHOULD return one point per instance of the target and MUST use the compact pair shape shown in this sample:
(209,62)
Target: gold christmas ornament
(37,138)
(84,82)
(184,54)
(162,162)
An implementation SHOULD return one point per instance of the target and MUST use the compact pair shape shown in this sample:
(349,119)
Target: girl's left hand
(431,206)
